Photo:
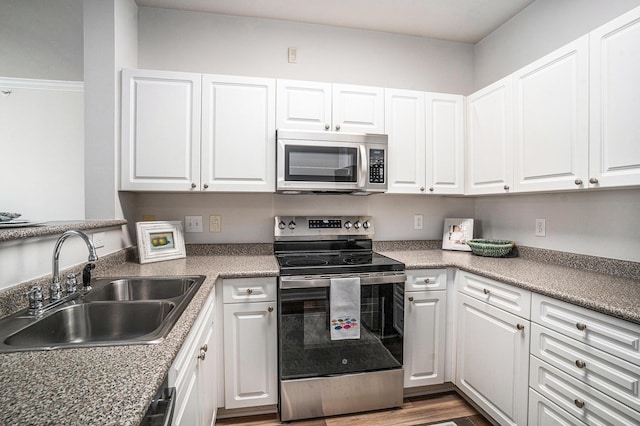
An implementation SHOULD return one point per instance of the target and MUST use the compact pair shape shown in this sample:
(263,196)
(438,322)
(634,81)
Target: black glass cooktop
(335,262)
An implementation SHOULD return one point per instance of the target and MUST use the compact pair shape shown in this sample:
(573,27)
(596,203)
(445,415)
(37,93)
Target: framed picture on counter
(456,234)
(158,241)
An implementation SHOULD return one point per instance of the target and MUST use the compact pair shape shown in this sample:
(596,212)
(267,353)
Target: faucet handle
(55,291)
(36,300)
(72,283)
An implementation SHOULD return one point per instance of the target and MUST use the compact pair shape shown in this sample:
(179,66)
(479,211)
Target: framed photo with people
(456,234)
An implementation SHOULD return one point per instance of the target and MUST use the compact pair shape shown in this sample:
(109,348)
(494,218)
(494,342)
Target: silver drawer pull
(202,355)
(580,326)
(249,291)
(579,403)
(410,298)
(486,291)
(270,309)
(580,363)
(520,327)
(204,348)
(426,280)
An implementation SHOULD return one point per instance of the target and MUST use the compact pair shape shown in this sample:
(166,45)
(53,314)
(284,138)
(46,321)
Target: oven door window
(321,164)
(306,348)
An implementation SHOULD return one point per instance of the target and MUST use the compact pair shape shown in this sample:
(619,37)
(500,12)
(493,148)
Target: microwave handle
(362,177)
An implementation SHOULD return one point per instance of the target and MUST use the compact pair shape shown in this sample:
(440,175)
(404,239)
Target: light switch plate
(193,224)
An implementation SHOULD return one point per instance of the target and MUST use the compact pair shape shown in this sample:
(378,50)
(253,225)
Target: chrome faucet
(54,289)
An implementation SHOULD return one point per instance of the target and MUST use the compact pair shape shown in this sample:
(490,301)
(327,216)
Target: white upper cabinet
(551,136)
(615,102)
(405,125)
(308,105)
(238,134)
(303,105)
(445,143)
(160,131)
(490,139)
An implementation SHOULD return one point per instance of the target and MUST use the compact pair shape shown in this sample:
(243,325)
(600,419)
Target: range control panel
(295,227)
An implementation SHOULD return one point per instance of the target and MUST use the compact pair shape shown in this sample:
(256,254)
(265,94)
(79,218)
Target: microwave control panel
(376,165)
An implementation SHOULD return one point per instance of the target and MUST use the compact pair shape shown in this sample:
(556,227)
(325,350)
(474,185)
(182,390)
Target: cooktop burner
(305,261)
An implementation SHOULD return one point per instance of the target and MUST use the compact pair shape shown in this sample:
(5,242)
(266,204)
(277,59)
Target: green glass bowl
(491,248)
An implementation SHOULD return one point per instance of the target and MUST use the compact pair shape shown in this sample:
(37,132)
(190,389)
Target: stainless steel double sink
(117,311)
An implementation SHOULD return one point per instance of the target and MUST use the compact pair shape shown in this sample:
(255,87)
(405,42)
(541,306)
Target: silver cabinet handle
(426,280)
(593,180)
(579,403)
(520,327)
(410,298)
(506,187)
(337,127)
(193,185)
(431,189)
(270,309)
(202,355)
(204,348)
(249,291)
(205,186)
(422,189)
(580,363)
(326,127)
(486,291)
(578,182)
(580,326)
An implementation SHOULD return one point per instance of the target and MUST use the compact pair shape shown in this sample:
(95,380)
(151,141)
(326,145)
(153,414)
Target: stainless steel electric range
(326,264)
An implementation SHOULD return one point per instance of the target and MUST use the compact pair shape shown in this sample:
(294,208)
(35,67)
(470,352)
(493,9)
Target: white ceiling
(467,21)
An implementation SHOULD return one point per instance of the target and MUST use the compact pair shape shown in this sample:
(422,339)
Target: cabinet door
(405,125)
(207,380)
(490,139)
(615,102)
(551,136)
(160,131)
(238,134)
(424,337)
(303,105)
(250,354)
(445,143)
(358,109)
(543,412)
(492,361)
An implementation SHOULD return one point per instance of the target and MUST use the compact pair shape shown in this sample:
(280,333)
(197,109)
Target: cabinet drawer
(606,373)
(509,298)
(543,412)
(237,290)
(612,335)
(426,279)
(579,399)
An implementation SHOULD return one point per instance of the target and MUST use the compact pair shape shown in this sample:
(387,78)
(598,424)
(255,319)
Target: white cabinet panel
(512,299)
(424,337)
(304,105)
(358,109)
(492,361)
(543,412)
(551,138)
(238,134)
(615,102)
(490,139)
(405,125)
(445,143)
(160,130)
(426,279)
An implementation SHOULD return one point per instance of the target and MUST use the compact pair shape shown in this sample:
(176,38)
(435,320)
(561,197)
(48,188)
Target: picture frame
(456,233)
(159,241)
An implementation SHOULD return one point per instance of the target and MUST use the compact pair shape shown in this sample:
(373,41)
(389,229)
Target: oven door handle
(306,282)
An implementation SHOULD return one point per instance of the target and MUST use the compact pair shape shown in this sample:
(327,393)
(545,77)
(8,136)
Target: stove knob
(292,225)
(347,225)
(366,224)
(357,224)
(282,225)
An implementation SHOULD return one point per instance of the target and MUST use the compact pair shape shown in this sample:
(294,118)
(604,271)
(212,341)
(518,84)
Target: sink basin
(117,311)
(94,322)
(143,288)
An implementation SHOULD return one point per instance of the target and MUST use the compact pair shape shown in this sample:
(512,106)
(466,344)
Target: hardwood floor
(416,411)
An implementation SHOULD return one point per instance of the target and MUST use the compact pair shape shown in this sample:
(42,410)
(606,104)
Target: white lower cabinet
(492,357)
(424,328)
(250,343)
(543,412)
(193,373)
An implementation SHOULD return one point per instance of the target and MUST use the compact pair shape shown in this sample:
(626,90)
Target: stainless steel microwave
(331,162)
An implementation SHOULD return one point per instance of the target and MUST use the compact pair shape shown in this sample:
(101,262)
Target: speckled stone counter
(612,295)
(55,228)
(111,385)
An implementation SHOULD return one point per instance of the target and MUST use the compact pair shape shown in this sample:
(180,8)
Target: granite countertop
(111,385)
(114,385)
(57,228)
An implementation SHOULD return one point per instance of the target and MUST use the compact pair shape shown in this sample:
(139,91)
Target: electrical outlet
(193,224)
(215,223)
(541,228)
(293,55)
(98,239)
(417,221)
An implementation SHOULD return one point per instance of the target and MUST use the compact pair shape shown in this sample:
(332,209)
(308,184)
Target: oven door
(305,346)
(316,166)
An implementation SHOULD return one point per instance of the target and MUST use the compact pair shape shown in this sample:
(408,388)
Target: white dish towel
(345,308)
